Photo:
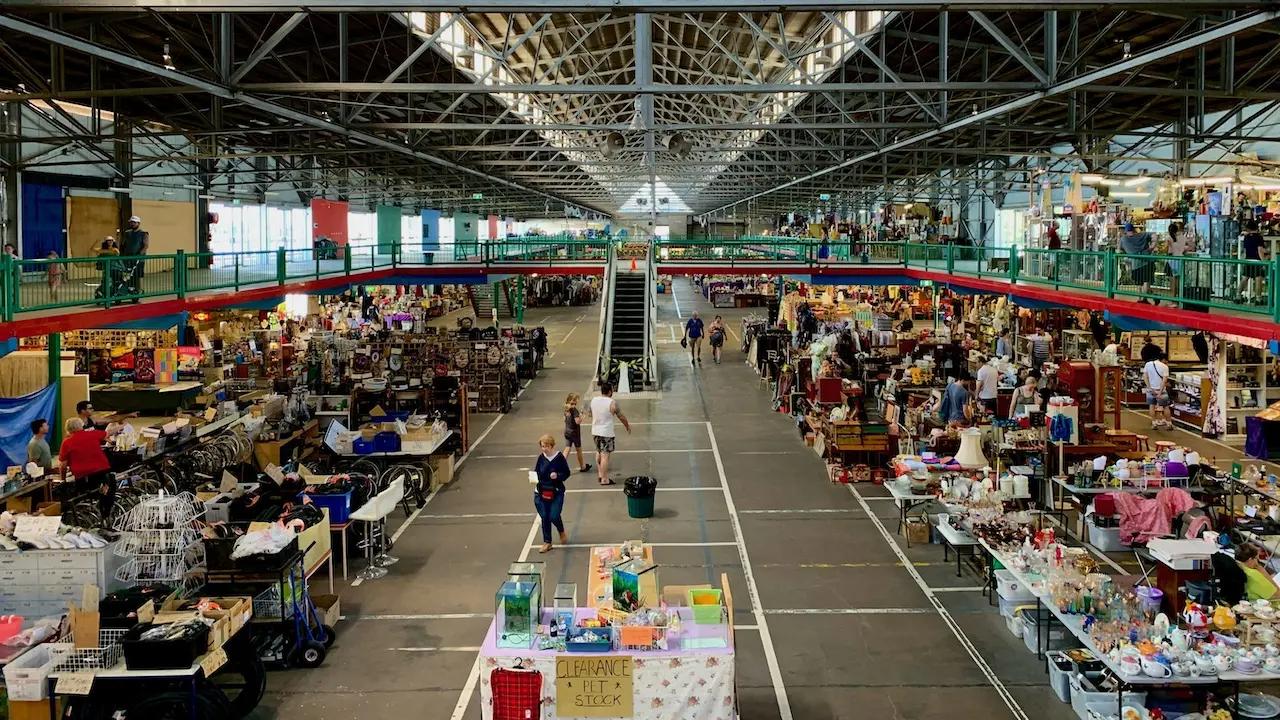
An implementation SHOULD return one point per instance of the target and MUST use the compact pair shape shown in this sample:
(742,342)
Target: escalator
(627,321)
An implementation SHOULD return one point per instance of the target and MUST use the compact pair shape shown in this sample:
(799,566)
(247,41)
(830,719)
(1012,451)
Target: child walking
(573,429)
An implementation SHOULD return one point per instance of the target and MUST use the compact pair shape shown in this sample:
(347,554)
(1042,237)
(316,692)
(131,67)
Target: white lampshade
(970,456)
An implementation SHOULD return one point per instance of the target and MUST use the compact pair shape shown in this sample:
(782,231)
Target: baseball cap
(136,219)
(1128,227)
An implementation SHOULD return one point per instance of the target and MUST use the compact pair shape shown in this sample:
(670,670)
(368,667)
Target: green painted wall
(388,229)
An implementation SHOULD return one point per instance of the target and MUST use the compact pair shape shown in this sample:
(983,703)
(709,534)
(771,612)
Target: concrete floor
(836,617)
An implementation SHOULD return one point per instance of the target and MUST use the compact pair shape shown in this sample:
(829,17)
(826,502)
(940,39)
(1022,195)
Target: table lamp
(970,456)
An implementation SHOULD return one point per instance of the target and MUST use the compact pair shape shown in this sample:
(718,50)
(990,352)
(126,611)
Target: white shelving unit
(1247,394)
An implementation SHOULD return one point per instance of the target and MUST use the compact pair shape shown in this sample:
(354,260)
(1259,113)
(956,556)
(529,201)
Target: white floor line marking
(472,648)
(848,611)
(474,677)
(942,611)
(525,456)
(770,452)
(565,339)
(956,589)
(424,616)
(676,300)
(867,499)
(746,627)
(468,516)
(753,592)
(798,512)
(572,546)
(668,422)
(618,488)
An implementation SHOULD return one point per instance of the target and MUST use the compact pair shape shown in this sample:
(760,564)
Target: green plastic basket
(706,606)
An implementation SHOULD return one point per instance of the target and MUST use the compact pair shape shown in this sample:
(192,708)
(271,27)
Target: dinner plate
(1257,707)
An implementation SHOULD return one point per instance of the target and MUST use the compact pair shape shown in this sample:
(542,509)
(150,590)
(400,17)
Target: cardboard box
(319,534)
(329,607)
(441,470)
(678,595)
(229,620)
(916,530)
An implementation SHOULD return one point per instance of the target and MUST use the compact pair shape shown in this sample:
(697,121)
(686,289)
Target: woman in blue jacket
(548,498)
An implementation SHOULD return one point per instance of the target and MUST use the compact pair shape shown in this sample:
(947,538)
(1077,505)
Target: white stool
(376,510)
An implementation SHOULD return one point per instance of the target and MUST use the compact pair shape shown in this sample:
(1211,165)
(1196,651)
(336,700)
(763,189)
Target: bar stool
(376,511)
(1165,445)
(1143,443)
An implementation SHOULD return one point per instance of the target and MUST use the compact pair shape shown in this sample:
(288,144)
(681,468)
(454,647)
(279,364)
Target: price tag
(211,662)
(210,414)
(228,483)
(74,683)
(147,612)
(275,473)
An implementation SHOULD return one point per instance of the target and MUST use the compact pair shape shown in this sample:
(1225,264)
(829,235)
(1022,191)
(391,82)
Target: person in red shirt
(82,454)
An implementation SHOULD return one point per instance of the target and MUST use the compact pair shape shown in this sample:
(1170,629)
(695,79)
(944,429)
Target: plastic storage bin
(1014,624)
(1106,539)
(388,442)
(1060,670)
(1058,638)
(360,446)
(1084,694)
(1009,587)
(706,606)
(338,504)
(27,677)
(575,643)
(162,654)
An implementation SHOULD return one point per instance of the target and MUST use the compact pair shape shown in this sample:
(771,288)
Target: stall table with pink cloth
(692,680)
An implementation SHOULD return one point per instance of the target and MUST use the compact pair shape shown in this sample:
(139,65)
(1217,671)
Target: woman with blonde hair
(548,495)
(573,429)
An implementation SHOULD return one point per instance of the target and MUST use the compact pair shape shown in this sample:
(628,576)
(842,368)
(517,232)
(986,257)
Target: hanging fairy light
(168,59)
(1128,50)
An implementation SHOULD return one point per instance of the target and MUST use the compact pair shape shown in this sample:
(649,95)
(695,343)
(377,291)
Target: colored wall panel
(171,226)
(389,228)
(430,229)
(329,219)
(493,227)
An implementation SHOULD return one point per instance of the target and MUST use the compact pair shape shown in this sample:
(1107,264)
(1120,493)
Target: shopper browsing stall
(1141,268)
(81,454)
(988,386)
(1023,395)
(38,448)
(1156,373)
(548,497)
(1255,249)
(1004,347)
(954,409)
(604,414)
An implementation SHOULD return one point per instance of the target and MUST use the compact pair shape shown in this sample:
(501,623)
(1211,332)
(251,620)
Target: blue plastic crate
(603,646)
(386,442)
(360,446)
(338,504)
(390,417)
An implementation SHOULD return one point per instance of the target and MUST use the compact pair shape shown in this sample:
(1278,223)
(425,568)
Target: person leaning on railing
(1255,272)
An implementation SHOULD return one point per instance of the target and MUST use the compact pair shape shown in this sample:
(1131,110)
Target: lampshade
(970,456)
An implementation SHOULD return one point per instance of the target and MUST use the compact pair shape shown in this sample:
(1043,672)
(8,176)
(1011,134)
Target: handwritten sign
(594,686)
(275,473)
(213,661)
(74,683)
(33,526)
(228,483)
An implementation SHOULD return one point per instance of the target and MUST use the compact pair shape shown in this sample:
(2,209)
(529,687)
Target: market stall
(636,654)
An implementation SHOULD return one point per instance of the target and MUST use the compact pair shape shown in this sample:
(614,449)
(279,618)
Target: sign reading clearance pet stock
(593,686)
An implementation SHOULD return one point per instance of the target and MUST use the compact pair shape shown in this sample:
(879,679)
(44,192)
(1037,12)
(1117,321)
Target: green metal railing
(1243,286)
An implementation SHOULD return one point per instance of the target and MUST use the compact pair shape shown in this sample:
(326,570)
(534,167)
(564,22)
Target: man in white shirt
(1157,378)
(988,386)
(603,412)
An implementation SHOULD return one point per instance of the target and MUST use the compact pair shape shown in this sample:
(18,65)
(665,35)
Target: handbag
(684,342)
(547,495)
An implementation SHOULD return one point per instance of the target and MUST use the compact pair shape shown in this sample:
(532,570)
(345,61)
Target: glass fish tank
(517,610)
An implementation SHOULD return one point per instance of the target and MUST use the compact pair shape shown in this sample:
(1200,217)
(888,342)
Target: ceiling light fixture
(1141,179)
(1192,182)
(1129,193)
(1091,179)
(1108,181)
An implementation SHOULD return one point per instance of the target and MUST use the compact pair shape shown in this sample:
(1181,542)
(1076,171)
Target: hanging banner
(598,686)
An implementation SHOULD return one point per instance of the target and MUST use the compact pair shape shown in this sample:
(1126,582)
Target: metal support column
(944,42)
(10,126)
(55,379)
(123,148)
(644,76)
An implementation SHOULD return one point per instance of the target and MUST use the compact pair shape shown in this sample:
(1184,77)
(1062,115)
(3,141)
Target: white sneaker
(77,541)
(40,543)
(57,543)
(93,540)
(7,544)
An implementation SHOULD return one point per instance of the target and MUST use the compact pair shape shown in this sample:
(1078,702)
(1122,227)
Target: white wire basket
(156,541)
(26,678)
(267,604)
(161,568)
(108,654)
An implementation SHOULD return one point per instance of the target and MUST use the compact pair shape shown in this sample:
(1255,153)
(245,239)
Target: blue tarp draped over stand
(16,415)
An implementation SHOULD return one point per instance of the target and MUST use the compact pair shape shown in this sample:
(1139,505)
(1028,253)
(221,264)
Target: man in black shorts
(1142,269)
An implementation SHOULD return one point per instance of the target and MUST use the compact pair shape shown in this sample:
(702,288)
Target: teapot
(1195,617)
(1223,618)
(1178,638)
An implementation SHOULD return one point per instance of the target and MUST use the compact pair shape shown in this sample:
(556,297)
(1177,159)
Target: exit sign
(824,197)
(477,196)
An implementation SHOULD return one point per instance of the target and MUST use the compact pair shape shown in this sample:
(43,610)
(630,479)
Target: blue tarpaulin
(1130,323)
(16,415)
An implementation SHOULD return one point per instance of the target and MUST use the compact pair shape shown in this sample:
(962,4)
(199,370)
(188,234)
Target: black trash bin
(640,490)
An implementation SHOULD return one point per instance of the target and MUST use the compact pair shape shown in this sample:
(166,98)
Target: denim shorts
(1162,399)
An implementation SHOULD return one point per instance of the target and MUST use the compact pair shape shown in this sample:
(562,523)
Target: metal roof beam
(1213,34)
(265,48)
(221,91)
(656,6)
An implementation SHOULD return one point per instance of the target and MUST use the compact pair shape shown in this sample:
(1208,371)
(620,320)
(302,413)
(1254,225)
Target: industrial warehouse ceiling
(650,106)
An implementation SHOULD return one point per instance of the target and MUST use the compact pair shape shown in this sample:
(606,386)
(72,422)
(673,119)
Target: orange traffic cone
(633,263)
